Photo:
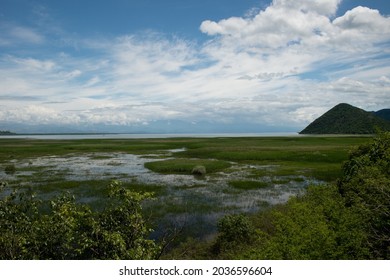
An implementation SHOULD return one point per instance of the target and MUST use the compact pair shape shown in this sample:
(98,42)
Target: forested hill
(347,119)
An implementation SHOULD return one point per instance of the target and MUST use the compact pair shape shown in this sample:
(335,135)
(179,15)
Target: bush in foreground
(366,189)
(63,229)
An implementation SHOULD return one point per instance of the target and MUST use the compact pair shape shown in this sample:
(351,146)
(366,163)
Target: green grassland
(319,157)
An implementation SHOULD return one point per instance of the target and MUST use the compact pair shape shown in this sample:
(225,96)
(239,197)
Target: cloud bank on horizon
(277,67)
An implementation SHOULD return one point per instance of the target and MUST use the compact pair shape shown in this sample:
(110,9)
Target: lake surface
(143,136)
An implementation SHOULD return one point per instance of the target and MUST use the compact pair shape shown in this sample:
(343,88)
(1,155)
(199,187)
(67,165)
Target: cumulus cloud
(363,19)
(281,24)
(305,22)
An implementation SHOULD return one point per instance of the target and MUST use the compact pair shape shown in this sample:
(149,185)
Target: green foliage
(366,188)
(233,230)
(63,229)
(316,226)
(18,216)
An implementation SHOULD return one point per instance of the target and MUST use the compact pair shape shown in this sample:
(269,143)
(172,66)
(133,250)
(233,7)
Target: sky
(189,66)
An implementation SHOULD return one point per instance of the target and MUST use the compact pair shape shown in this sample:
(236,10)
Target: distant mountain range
(347,119)
(384,114)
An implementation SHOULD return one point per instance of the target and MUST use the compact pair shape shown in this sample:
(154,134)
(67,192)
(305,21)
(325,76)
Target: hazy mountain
(384,114)
(157,127)
(347,119)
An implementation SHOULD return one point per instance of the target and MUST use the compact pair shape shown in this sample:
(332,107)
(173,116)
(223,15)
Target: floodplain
(239,175)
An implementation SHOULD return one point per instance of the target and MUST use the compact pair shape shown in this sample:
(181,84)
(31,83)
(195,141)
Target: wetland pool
(182,201)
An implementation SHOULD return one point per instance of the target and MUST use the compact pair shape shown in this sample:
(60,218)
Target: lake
(143,135)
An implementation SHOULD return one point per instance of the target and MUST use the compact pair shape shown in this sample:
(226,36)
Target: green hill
(346,119)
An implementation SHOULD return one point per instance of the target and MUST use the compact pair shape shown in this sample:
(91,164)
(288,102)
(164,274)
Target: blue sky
(189,66)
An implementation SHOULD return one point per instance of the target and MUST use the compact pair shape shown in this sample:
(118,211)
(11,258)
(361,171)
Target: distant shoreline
(71,136)
(6,132)
(81,136)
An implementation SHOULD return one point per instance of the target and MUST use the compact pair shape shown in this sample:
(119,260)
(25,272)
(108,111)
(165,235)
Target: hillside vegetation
(347,119)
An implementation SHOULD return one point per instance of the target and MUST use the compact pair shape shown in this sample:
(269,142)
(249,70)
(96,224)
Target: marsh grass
(92,192)
(249,185)
(248,165)
(186,166)
(280,180)
(30,148)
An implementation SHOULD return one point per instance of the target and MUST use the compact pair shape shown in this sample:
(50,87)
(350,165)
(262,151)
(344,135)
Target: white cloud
(281,24)
(93,81)
(26,34)
(229,26)
(286,23)
(321,7)
(12,35)
(363,20)
(255,69)
(34,64)
(30,114)
(73,74)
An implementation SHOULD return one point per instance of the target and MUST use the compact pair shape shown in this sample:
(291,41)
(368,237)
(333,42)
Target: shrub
(64,229)
(316,226)
(365,186)
(233,230)
(199,170)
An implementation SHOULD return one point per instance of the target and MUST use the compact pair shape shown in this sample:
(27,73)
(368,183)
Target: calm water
(143,136)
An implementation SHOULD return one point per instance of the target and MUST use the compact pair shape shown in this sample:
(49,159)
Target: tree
(18,217)
(233,230)
(365,186)
(123,232)
(64,229)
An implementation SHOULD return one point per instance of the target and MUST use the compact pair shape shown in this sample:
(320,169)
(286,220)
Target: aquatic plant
(199,170)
